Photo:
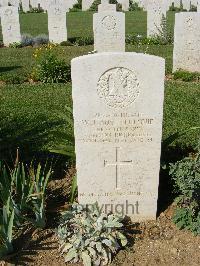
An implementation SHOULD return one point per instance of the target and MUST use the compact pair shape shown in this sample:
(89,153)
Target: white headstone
(156,12)
(187,42)
(14,3)
(86,4)
(57,24)
(109,30)
(25,5)
(10,25)
(198,6)
(118,109)
(177,3)
(186,4)
(125,4)
(3,3)
(105,6)
(34,3)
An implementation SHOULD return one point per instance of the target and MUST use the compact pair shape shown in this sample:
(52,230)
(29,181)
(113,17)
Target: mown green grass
(33,116)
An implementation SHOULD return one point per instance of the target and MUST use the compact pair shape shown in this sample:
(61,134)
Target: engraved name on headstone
(118,109)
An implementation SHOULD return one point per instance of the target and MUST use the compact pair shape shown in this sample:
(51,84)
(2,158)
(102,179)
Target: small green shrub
(49,68)
(22,199)
(186,76)
(1,44)
(36,10)
(186,177)
(87,235)
(15,45)
(81,41)
(94,6)
(66,43)
(133,6)
(27,40)
(40,40)
(76,7)
(193,8)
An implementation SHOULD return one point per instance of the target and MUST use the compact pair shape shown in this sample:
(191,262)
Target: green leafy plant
(66,43)
(186,177)
(41,39)
(164,36)
(15,45)
(30,186)
(186,76)
(6,231)
(7,214)
(76,7)
(49,68)
(85,234)
(22,200)
(94,6)
(36,10)
(133,6)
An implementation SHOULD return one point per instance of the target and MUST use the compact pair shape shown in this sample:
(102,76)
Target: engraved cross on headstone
(117,165)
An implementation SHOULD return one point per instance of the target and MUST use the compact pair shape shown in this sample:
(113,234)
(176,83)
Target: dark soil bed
(152,243)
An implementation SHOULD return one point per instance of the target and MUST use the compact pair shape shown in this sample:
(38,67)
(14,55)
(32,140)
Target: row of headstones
(118,112)
(111,37)
(11,26)
(86,4)
(44,4)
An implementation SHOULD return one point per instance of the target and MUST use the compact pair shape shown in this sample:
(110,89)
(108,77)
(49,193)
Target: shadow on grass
(9,68)
(30,137)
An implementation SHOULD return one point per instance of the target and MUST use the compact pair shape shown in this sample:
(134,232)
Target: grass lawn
(33,117)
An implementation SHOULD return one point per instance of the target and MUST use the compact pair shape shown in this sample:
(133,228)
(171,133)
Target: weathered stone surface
(57,24)
(118,109)
(86,4)
(156,13)
(186,54)
(3,3)
(25,5)
(105,6)
(10,25)
(109,31)
(125,4)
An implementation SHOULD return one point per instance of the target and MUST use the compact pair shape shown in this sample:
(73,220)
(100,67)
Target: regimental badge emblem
(118,87)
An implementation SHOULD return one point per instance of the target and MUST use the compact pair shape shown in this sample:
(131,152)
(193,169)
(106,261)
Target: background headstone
(118,107)
(125,4)
(57,24)
(109,30)
(25,5)
(186,4)
(34,3)
(186,54)
(86,4)
(10,25)
(156,13)
(105,6)
(3,3)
